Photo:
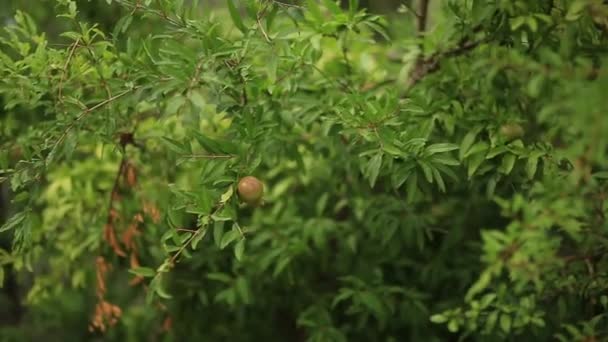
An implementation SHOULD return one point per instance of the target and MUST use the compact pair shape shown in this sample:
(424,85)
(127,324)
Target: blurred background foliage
(424,182)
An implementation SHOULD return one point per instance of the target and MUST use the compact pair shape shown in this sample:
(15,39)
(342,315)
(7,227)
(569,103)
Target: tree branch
(422,15)
(109,232)
(88,111)
(64,71)
(426,66)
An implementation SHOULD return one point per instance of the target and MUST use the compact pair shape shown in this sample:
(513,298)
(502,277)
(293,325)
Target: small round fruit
(251,190)
(512,131)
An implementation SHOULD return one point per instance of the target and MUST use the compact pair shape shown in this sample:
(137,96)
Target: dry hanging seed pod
(251,190)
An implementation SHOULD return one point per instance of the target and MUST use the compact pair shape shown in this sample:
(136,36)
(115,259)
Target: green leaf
(239,249)
(226,196)
(175,145)
(332,6)
(157,286)
(14,221)
(439,180)
(374,304)
(175,104)
(491,321)
(199,235)
(272,65)
(342,296)
(453,326)
(532,163)
(313,9)
(491,186)
(228,238)
(221,277)
(600,175)
(508,161)
(480,147)
(427,170)
(482,283)
(517,22)
(466,143)
(496,151)
(270,16)
(438,318)
(281,266)
(445,160)
(401,173)
(243,289)
(575,11)
(505,322)
(412,187)
(474,163)
(197,99)
(440,148)
(236,16)
(218,232)
(373,168)
(143,271)
(214,145)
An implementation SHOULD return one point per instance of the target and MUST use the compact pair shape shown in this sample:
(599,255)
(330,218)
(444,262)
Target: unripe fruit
(251,190)
(512,131)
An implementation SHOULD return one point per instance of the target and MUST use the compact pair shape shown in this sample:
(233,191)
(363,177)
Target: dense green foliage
(437,174)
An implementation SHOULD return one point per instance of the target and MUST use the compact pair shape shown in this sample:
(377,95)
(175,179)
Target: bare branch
(422,15)
(431,64)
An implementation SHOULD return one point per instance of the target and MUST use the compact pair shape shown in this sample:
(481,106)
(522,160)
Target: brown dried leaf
(151,210)
(167,324)
(110,237)
(131,175)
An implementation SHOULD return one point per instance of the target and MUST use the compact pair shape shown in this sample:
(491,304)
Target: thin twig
(263,31)
(185,230)
(65,68)
(195,234)
(244,97)
(104,82)
(258,18)
(430,65)
(240,230)
(197,73)
(349,68)
(158,13)
(287,5)
(345,87)
(88,111)
(208,156)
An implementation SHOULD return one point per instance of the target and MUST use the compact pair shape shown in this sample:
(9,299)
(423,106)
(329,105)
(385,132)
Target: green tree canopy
(438,173)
